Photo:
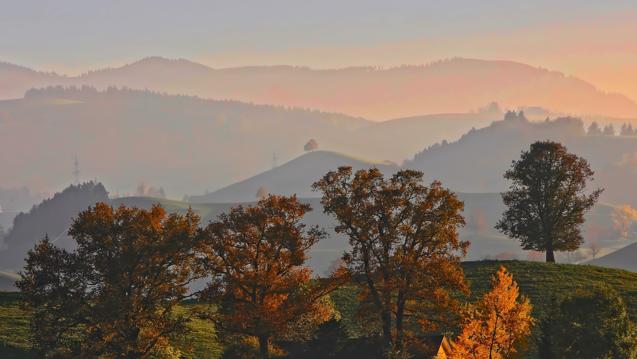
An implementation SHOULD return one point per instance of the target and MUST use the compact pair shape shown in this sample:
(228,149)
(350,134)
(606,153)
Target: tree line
(116,295)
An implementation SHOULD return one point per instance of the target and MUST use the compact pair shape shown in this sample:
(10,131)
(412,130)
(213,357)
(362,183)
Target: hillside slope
(448,86)
(478,160)
(293,177)
(625,258)
(537,281)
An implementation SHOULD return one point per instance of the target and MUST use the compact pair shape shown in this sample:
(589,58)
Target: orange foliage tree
(256,256)
(405,248)
(114,296)
(497,324)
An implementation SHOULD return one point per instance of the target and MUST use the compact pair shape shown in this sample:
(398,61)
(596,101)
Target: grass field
(538,281)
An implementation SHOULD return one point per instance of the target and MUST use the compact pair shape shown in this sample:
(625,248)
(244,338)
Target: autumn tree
(256,256)
(498,324)
(114,295)
(405,251)
(588,324)
(546,201)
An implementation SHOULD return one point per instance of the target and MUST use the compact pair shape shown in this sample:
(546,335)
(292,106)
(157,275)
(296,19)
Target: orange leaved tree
(405,251)
(115,295)
(256,257)
(497,324)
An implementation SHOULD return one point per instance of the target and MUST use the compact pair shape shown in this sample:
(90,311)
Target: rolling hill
(124,137)
(482,211)
(477,161)
(624,258)
(293,177)
(448,86)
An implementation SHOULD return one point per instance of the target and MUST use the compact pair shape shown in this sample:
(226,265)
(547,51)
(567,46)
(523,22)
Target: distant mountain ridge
(448,86)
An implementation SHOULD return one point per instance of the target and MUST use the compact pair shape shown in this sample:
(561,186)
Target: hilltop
(447,86)
(293,177)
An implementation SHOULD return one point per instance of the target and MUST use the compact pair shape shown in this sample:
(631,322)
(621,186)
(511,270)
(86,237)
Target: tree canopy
(114,295)
(589,324)
(255,256)
(405,248)
(546,200)
(498,324)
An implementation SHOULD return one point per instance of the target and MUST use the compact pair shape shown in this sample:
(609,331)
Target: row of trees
(609,130)
(116,294)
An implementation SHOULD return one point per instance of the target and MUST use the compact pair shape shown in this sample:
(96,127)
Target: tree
(262,192)
(594,248)
(546,201)
(609,130)
(498,324)
(591,324)
(627,130)
(311,145)
(405,251)
(114,295)
(594,129)
(256,257)
(623,218)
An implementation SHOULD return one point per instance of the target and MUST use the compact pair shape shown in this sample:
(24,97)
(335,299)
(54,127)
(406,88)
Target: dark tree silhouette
(546,200)
(594,129)
(405,248)
(114,296)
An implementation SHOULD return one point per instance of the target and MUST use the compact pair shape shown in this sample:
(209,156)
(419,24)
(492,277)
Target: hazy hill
(52,217)
(482,210)
(477,161)
(124,137)
(625,258)
(293,177)
(448,86)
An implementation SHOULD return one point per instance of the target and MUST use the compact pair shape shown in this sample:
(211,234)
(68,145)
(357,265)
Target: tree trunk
(387,339)
(550,257)
(264,351)
(400,310)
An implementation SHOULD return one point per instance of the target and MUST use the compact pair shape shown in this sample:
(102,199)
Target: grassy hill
(538,281)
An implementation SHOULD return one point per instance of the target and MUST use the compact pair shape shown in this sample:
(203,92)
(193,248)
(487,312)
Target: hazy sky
(594,40)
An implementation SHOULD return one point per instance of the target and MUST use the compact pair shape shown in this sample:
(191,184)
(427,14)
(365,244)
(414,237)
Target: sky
(593,40)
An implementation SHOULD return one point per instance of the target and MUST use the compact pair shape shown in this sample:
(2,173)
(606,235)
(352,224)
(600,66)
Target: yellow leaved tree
(498,324)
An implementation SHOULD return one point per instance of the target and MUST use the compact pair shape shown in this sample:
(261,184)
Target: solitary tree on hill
(546,201)
(311,145)
(405,251)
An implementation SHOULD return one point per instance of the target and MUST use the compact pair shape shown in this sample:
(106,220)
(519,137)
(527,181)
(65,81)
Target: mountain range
(455,85)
